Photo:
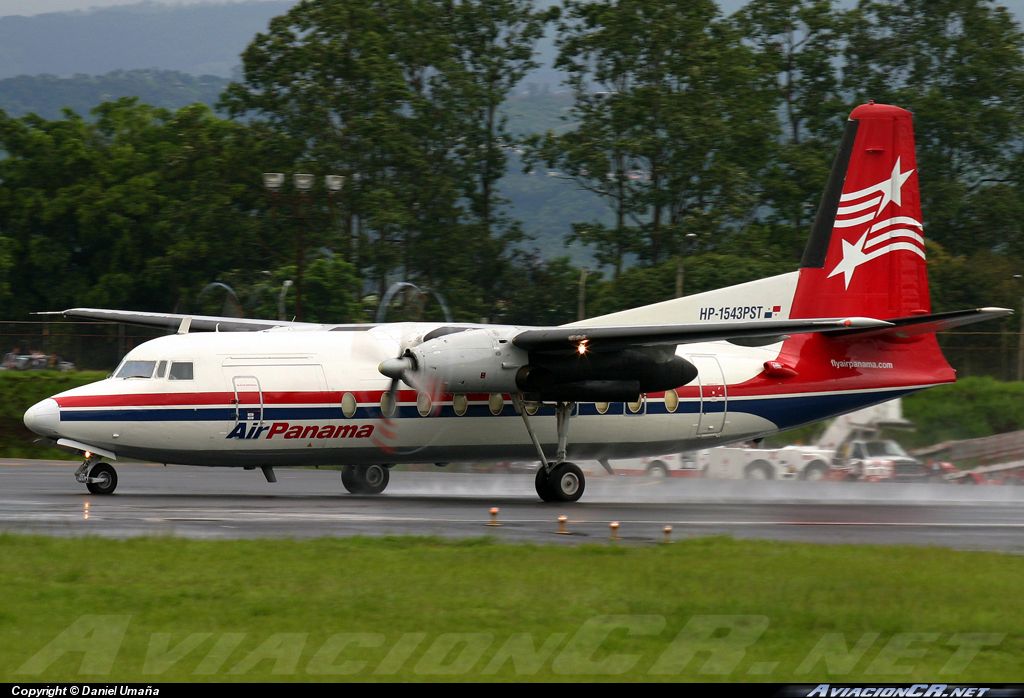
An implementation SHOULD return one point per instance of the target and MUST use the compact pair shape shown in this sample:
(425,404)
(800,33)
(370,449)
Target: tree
(959,66)
(670,123)
(139,208)
(797,42)
(401,96)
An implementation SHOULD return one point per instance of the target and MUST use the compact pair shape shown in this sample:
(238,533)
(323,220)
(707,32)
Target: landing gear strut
(365,479)
(557,480)
(99,478)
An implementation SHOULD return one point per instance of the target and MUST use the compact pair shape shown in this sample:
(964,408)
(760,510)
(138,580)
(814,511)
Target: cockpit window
(136,369)
(161,369)
(181,371)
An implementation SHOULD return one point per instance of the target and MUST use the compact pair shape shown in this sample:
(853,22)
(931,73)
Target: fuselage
(314,397)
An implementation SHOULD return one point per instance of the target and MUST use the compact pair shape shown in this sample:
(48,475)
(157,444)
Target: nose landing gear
(99,478)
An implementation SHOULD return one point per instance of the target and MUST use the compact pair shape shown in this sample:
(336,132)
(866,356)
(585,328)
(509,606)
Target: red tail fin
(866,255)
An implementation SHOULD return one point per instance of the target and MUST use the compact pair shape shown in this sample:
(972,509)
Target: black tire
(375,478)
(657,469)
(815,471)
(567,482)
(543,484)
(759,470)
(106,478)
(351,480)
(365,479)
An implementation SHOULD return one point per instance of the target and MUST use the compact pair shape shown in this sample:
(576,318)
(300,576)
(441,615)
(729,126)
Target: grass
(155,610)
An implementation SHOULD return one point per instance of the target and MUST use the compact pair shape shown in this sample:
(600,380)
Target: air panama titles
(285,430)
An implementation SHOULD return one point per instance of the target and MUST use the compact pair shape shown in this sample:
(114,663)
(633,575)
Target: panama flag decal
(880,236)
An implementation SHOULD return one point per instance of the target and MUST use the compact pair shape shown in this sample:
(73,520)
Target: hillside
(196,39)
(48,95)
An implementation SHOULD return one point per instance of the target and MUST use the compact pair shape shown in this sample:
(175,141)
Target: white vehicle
(797,462)
(851,328)
(665,465)
(787,463)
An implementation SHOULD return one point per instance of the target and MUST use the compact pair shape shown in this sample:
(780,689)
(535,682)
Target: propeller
(402,368)
(405,368)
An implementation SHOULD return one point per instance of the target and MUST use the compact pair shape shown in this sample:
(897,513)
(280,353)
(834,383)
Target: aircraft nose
(42,417)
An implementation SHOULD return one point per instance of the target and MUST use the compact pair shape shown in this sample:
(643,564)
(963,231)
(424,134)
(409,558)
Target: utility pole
(581,296)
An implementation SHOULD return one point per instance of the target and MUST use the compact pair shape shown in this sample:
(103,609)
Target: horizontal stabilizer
(558,339)
(914,325)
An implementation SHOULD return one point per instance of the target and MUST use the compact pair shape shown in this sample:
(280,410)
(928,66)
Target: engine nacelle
(484,360)
(604,377)
(472,361)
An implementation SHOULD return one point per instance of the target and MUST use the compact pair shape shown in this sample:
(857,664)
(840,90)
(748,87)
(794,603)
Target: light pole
(280,298)
(685,246)
(581,296)
(1020,337)
(303,184)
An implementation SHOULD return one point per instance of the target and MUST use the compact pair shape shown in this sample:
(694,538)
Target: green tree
(670,123)
(797,42)
(959,66)
(401,96)
(139,207)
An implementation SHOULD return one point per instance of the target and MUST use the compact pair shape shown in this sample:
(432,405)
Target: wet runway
(42,497)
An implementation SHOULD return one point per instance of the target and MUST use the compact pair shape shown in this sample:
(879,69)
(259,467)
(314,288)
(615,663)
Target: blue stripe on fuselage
(784,412)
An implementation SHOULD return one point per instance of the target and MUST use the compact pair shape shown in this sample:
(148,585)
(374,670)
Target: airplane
(852,327)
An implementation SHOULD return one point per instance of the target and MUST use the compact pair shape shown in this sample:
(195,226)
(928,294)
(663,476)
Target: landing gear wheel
(365,479)
(567,482)
(102,479)
(543,484)
(350,479)
(375,479)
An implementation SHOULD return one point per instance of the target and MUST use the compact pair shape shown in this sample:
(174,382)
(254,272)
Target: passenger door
(713,395)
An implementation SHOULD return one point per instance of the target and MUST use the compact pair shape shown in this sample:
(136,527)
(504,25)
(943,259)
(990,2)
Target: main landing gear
(365,479)
(557,480)
(99,478)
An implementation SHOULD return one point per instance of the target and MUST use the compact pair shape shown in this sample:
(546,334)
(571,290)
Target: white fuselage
(297,397)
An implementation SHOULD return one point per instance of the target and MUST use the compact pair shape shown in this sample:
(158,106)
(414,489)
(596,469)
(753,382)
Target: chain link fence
(86,345)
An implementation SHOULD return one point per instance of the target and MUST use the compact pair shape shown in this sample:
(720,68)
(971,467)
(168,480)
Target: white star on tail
(892,189)
(854,255)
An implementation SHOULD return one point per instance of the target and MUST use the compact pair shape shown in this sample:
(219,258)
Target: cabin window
(460,404)
(635,407)
(181,371)
(348,404)
(161,369)
(424,404)
(601,407)
(532,408)
(671,400)
(496,403)
(387,404)
(136,369)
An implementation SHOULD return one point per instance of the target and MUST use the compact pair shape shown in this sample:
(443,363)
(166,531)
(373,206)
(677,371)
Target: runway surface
(211,503)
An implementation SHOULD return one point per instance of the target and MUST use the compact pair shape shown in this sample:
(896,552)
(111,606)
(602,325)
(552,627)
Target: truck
(849,449)
(883,460)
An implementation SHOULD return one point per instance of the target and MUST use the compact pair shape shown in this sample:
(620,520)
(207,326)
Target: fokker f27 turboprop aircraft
(851,328)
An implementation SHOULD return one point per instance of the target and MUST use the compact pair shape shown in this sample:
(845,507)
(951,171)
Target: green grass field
(711,609)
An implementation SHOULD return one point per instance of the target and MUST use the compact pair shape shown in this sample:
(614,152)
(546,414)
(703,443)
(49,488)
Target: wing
(173,321)
(569,339)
